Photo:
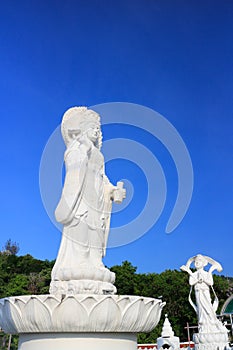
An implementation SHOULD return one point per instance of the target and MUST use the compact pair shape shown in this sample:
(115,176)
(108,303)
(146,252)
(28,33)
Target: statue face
(93,132)
(199,263)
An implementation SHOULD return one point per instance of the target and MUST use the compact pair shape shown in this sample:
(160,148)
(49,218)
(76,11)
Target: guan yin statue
(82,310)
(212,334)
(84,209)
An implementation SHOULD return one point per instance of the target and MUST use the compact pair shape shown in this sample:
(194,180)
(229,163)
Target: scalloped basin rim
(79,313)
(58,297)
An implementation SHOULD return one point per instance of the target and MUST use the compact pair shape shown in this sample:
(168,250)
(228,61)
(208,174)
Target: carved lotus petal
(51,302)
(105,315)
(79,313)
(11,319)
(218,340)
(89,302)
(157,313)
(133,315)
(149,304)
(123,302)
(20,303)
(153,315)
(2,315)
(70,315)
(38,315)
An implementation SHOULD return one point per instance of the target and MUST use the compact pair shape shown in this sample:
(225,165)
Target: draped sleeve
(76,159)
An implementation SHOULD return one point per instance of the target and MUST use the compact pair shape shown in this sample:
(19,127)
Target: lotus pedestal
(78,322)
(211,341)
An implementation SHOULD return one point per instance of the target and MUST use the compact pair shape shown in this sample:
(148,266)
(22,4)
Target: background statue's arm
(192,276)
(208,278)
(187,269)
(214,266)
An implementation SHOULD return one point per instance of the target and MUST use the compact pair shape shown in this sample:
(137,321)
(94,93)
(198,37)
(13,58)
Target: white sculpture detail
(167,339)
(77,313)
(84,209)
(212,333)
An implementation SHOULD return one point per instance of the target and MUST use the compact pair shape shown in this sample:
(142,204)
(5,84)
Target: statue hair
(78,119)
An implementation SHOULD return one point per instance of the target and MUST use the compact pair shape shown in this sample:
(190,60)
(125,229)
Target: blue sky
(172,56)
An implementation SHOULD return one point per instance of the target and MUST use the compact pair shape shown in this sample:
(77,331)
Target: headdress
(77,119)
(206,260)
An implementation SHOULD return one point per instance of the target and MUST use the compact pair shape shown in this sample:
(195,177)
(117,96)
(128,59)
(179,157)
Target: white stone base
(78,341)
(211,341)
(172,342)
(79,313)
(79,322)
(213,346)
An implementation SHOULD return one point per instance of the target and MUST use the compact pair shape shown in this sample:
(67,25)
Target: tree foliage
(21,275)
(11,248)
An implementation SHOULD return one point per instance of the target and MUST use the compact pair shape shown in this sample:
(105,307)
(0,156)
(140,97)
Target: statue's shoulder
(75,153)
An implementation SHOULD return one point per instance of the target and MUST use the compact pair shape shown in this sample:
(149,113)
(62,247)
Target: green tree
(11,248)
(18,285)
(125,278)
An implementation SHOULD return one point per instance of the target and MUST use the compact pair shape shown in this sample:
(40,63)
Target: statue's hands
(186,269)
(119,193)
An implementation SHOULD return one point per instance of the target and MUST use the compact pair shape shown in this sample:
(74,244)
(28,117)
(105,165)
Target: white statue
(79,313)
(212,333)
(84,209)
(202,281)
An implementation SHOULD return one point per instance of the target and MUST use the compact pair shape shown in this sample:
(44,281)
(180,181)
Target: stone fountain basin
(79,313)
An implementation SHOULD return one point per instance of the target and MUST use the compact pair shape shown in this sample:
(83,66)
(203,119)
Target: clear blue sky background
(175,57)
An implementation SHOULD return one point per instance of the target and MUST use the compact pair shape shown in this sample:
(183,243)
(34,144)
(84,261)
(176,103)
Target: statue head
(78,121)
(200,261)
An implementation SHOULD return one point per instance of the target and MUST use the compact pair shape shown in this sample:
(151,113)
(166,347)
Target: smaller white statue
(202,281)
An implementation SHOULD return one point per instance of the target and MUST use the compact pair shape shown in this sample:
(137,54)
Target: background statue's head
(78,121)
(200,261)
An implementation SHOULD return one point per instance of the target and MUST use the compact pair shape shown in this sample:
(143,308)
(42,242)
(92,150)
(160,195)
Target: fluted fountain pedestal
(77,322)
(73,341)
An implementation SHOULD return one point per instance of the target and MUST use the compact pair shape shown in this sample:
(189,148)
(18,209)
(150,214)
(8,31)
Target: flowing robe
(205,309)
(84,210)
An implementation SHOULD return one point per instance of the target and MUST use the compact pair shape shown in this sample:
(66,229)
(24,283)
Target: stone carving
(81,310)
(79,313)
(167,339)
(84,209)
(212,333)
